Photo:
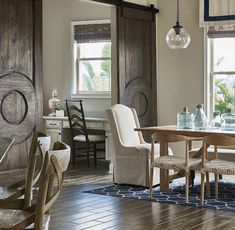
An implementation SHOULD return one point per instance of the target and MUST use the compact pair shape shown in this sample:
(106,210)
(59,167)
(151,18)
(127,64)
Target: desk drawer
(66,124)
(92,125)
(52,124)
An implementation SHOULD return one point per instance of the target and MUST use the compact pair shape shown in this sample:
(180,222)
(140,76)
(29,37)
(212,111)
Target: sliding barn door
(136,32)
(20,76)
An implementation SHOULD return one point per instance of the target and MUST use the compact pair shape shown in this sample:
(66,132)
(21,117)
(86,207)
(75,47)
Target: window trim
(209,73)
(97,94)
(75,81)
(206,78)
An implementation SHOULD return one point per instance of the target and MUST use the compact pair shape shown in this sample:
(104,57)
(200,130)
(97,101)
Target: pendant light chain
(177,37)
(178,14)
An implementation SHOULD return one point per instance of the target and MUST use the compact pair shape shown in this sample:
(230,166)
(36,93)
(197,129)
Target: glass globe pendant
(178,37)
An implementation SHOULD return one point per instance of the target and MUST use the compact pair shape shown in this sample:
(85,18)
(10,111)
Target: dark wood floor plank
(224,224)
(75,210)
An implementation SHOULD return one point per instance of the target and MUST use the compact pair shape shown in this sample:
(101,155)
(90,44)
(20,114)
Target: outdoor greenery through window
(94,65)
(92,57)
(222,74)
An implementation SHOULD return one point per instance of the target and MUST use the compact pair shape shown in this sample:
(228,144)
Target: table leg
(164,174)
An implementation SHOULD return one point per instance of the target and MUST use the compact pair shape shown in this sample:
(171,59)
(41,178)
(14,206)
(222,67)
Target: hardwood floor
(77,210)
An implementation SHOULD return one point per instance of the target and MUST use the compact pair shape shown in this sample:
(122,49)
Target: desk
(53,127)
(164,175)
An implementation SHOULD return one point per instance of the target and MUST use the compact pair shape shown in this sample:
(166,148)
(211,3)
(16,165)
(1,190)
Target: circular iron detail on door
(14,107)
(17,106)
(139,98)
(137,95)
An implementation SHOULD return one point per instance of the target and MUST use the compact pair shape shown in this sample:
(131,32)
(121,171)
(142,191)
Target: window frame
(209,74)
(75,78)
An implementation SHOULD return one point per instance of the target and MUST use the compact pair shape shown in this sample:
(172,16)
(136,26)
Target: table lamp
(53,102)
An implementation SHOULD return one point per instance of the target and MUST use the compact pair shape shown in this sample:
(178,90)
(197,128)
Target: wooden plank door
(20,75)
(136,33)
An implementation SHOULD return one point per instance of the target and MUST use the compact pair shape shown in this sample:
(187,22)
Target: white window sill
(83,95)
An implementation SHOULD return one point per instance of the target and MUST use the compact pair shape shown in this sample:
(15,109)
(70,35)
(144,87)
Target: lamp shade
(178,38)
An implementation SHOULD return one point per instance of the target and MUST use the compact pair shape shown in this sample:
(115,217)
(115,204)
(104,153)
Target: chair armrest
(13,204)
(17,184)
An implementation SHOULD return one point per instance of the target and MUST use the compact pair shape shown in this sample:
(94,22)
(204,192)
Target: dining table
(172,129)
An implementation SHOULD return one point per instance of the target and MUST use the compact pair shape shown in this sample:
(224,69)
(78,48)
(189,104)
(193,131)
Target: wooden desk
(54,126)
(164,175)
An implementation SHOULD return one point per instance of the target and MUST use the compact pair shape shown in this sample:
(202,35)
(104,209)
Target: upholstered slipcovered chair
(132,153)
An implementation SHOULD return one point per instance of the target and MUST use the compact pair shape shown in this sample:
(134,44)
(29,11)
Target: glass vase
(199,118)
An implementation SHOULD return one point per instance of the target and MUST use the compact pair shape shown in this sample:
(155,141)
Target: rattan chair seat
(218,166)
(175,163)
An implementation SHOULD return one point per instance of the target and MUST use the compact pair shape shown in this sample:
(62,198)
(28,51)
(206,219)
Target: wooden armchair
(175,163)
(5,145)
(62,152)
(49,189)
(216,166)
(40,143)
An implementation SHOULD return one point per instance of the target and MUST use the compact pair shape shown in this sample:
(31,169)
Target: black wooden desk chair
(81,138)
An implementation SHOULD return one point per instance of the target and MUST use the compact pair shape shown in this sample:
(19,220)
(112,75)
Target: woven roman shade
(226,31)
(92,33)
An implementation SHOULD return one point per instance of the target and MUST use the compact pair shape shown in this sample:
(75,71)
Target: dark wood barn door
(136,32)
(20,75)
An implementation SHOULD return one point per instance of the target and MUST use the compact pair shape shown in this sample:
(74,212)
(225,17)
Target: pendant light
(177,37)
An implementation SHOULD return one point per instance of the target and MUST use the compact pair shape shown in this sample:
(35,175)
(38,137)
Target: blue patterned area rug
(176,195)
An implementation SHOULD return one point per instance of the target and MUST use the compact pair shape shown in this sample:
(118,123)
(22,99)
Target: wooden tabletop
(185,132)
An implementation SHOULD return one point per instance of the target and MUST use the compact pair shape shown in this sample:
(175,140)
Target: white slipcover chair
(132,153)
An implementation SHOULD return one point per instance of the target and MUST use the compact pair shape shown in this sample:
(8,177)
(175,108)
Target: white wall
(180,72)
(57,57)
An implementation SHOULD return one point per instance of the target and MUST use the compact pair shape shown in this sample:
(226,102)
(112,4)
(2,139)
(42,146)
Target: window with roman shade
(92,56)
(218,18)
(88,33)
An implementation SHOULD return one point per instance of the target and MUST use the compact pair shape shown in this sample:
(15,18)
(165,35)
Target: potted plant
(59,110)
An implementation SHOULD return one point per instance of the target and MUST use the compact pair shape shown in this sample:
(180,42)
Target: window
(92,58)
(221,73)
(94,65)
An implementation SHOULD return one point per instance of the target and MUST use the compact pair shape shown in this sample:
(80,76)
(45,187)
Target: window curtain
(217,12)
(92,33)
